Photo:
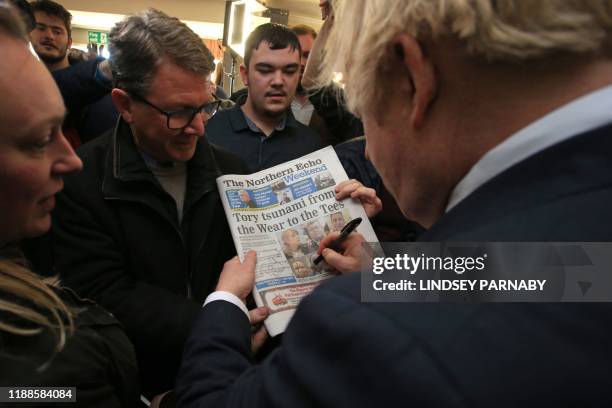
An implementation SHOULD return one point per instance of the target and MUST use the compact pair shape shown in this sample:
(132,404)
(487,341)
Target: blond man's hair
(492,30)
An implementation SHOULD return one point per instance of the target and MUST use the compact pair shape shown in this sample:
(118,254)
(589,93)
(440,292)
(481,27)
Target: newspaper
(283,213)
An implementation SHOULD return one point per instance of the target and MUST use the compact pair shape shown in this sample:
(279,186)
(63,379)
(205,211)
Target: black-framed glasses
(181,118)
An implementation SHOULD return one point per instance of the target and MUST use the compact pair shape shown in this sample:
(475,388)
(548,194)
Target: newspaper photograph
(283,213)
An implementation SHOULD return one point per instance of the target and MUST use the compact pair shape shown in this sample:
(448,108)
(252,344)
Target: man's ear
(244,74)
(409,52)
(69,44)
(123,103)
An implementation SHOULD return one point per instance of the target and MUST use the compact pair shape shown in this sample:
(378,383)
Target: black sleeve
(327,359)
(338,120)
(90,260)
(78,84)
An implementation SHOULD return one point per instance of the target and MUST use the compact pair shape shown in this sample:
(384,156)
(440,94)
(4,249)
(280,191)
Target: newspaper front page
(283,213)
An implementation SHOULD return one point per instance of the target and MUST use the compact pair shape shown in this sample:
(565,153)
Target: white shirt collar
(583,114)
(302,112)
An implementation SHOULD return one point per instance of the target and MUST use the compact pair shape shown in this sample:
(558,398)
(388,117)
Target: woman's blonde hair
(29,302)
(493,30)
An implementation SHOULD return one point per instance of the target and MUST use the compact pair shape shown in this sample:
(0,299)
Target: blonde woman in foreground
(48,336)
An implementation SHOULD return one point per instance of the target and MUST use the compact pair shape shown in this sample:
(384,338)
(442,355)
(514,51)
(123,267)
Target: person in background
(320,109)
(263,131)
(338,124)
(85,87)
(48,336)
(488,121)
(218,82)
(52,34)
(300,106)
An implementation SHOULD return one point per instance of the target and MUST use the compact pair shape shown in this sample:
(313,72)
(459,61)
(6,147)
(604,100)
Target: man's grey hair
(140,43)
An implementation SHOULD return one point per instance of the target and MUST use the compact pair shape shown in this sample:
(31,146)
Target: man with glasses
(142,230)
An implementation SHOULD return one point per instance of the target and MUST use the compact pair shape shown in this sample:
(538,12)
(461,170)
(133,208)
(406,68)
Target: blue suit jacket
(339,352)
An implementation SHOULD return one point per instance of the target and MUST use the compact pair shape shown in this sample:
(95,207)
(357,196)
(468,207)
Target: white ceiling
(209,11)
(298,9)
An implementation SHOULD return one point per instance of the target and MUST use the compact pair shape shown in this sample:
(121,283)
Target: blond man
(488,120)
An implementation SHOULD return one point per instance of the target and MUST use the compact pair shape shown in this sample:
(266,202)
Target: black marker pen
(346,230)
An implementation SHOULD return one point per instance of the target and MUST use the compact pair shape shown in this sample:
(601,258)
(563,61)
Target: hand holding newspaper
(283,213)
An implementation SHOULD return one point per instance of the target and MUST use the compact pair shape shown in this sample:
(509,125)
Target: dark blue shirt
(230,130)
